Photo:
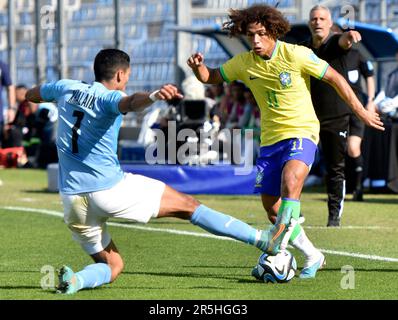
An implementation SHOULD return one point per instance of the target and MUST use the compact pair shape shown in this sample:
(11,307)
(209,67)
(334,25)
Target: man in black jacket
(333,113)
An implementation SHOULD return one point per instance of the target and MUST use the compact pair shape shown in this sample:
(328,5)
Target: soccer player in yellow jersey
(278,74)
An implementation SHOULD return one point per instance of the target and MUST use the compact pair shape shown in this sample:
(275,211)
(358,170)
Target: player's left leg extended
(176,204)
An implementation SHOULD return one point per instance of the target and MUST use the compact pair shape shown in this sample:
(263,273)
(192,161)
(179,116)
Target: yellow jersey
(281,87)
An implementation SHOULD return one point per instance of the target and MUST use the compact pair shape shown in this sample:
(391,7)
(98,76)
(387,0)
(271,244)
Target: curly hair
(272,19)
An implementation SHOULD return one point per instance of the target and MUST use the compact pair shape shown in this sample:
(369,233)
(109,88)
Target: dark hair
(108,61)
(21,86)
(272,19)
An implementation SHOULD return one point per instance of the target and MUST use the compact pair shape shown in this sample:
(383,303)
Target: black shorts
(356,127)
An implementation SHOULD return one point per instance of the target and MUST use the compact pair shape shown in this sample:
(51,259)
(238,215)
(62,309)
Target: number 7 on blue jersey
(79,115)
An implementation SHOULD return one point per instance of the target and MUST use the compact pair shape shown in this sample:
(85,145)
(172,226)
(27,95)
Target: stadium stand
(146,32)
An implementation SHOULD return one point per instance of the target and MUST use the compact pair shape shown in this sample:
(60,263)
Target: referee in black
(358,67)
(332,111)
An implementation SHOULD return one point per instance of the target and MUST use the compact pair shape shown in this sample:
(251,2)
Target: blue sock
(224,225)
(94,275)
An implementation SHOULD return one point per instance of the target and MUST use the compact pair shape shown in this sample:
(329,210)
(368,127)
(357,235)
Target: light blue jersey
(88,127)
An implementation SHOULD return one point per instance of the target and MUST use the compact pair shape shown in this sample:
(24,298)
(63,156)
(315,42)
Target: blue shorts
(272,159)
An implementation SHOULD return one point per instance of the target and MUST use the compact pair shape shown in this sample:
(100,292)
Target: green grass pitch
(161,265)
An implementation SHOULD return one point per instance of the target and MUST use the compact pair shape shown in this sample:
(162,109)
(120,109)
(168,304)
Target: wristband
(153,97)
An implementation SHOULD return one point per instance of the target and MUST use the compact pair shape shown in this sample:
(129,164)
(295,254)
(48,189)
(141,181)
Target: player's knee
(290,181)
(185,207)
(353,152)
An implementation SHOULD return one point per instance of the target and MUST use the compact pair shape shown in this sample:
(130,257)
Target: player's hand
(195,60)
(168,92)
(372,119)
(351,37)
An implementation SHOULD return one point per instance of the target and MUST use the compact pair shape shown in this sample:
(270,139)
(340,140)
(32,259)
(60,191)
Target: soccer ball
(280,268)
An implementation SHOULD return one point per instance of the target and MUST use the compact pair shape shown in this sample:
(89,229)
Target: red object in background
(9,156)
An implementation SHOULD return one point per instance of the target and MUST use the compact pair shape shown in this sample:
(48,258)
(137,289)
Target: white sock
(304,244)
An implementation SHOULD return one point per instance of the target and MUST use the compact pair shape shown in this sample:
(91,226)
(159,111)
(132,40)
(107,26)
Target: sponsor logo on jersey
(292,154)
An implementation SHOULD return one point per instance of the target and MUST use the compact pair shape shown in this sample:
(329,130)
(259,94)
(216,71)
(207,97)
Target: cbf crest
(259,178)
(285,79)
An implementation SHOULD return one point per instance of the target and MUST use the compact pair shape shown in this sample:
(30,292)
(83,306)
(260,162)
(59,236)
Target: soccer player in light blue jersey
(93,186)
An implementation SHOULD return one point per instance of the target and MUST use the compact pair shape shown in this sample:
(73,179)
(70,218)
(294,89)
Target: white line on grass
(359,255)
(350,227)
(27,200)
(197,234)
(122,225)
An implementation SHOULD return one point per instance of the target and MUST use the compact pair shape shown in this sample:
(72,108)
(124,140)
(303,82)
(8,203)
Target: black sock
(358,169)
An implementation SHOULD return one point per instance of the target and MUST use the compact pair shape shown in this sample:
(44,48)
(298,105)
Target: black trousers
(333,138)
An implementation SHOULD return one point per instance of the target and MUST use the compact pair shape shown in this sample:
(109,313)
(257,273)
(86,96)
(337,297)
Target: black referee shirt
(357,66)
(326,101)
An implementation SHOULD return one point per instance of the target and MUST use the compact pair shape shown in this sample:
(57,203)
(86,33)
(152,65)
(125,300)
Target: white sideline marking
(359,255)
(349,227)
(27,200)
(122,225)
(198,234)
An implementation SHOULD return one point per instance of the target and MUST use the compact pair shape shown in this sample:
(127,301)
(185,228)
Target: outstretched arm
(347,39)
(136,102)
(33,95)
(141,100)
(337,81)
(202,72)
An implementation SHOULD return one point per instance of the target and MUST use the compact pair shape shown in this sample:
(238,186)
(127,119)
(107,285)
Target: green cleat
(68,282)
(273,240)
